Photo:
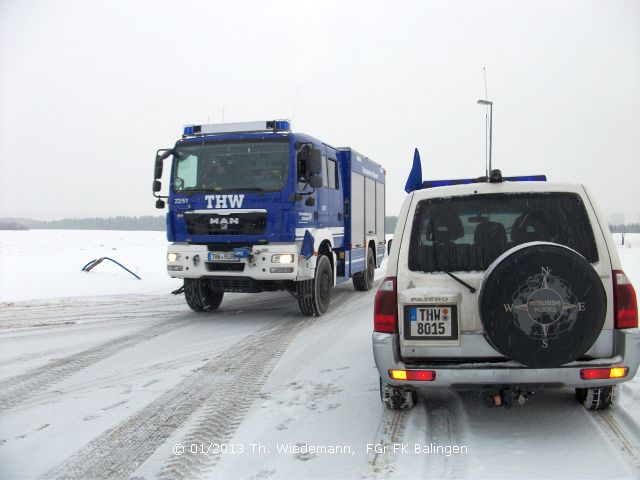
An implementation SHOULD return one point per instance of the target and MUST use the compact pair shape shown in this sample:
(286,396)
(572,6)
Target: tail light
(415,375)
(625,305)
(603,373)
(385,307)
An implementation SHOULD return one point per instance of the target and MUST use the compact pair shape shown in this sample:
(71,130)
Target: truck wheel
(395,398)
(363,281)
(199,295)
(598,398)
(314,296)
(542,304)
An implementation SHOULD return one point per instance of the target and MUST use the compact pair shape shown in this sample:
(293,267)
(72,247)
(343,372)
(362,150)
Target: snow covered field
(106,376)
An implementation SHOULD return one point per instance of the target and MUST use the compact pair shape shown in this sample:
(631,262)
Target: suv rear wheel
(597,398)
(395,398)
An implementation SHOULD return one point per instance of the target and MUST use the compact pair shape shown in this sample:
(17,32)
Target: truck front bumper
(196,261)
(386,353)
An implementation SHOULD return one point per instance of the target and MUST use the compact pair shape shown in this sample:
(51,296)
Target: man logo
(224,222)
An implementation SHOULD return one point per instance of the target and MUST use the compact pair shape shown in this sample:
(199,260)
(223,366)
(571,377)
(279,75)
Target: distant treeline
(390,224)
(147,222)
(11,225)
(157,223)
(628,228)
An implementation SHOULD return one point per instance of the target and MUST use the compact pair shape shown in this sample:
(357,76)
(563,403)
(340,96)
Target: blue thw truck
(253,207)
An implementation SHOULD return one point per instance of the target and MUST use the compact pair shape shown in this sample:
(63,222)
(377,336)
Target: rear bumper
(386,353)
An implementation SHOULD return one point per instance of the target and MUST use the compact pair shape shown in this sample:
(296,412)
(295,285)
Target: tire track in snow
(390,432)
(616,433)
(445,415)
(222,390)
(29,386)
(133,373)
(222,414)
(20,317)
(16,390)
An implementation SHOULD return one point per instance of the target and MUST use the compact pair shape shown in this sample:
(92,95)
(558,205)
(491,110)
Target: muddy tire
(395,398)
(314,296)
(542,304)
(363,281)
(199,295)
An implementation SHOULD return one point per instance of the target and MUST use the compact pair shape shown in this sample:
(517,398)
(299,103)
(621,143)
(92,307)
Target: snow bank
(38,264)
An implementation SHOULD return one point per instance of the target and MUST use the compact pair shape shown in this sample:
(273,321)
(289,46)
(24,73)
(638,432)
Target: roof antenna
(488,125)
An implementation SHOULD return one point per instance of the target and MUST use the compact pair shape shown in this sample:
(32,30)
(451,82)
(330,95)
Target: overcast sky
(90,89)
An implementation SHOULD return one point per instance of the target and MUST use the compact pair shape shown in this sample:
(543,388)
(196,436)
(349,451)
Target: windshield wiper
(462,282)
(249,189)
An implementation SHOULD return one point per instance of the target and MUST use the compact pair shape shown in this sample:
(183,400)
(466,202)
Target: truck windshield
(258,166)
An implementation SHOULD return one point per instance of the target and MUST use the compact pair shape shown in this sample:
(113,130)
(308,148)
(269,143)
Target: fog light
(281,269)
(173,257)
(174,268)
(282,258)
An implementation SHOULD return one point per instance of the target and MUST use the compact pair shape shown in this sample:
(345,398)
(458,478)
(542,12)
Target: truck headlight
(283,258)
(173,257)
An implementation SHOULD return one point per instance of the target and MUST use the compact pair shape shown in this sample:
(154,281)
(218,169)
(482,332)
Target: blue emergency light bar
(245,127)
(464,181)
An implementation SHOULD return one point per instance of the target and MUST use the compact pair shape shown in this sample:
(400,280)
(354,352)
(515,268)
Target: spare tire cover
(542,304)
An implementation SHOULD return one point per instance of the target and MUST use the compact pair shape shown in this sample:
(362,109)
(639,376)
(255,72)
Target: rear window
(469,233)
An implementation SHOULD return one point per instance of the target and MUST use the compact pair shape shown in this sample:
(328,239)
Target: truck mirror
(314,166)
(157,185)
(389,246)
(160,156)
(315,181)
(160,203)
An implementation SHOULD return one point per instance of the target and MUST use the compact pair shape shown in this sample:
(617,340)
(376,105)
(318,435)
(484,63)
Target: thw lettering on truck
(224,201)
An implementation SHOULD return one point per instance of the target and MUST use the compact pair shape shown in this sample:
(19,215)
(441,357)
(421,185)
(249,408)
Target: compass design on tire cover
(545,308)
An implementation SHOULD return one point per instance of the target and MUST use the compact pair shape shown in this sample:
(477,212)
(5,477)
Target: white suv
(505,286)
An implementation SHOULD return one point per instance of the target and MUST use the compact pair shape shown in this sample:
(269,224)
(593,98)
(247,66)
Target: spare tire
(542,304)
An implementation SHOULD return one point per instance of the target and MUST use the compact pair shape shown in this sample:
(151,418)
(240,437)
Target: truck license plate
(222,257)
(432,321)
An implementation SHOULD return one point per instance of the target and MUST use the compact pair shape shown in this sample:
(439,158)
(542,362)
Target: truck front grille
(247,284)
(243,223)
(224,267)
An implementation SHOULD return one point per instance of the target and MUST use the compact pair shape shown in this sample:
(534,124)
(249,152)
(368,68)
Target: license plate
(222,257)
(431,321)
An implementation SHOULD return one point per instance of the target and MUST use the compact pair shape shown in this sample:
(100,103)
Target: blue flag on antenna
(414,182)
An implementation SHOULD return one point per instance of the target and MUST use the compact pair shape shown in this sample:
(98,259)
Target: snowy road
(115,386)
